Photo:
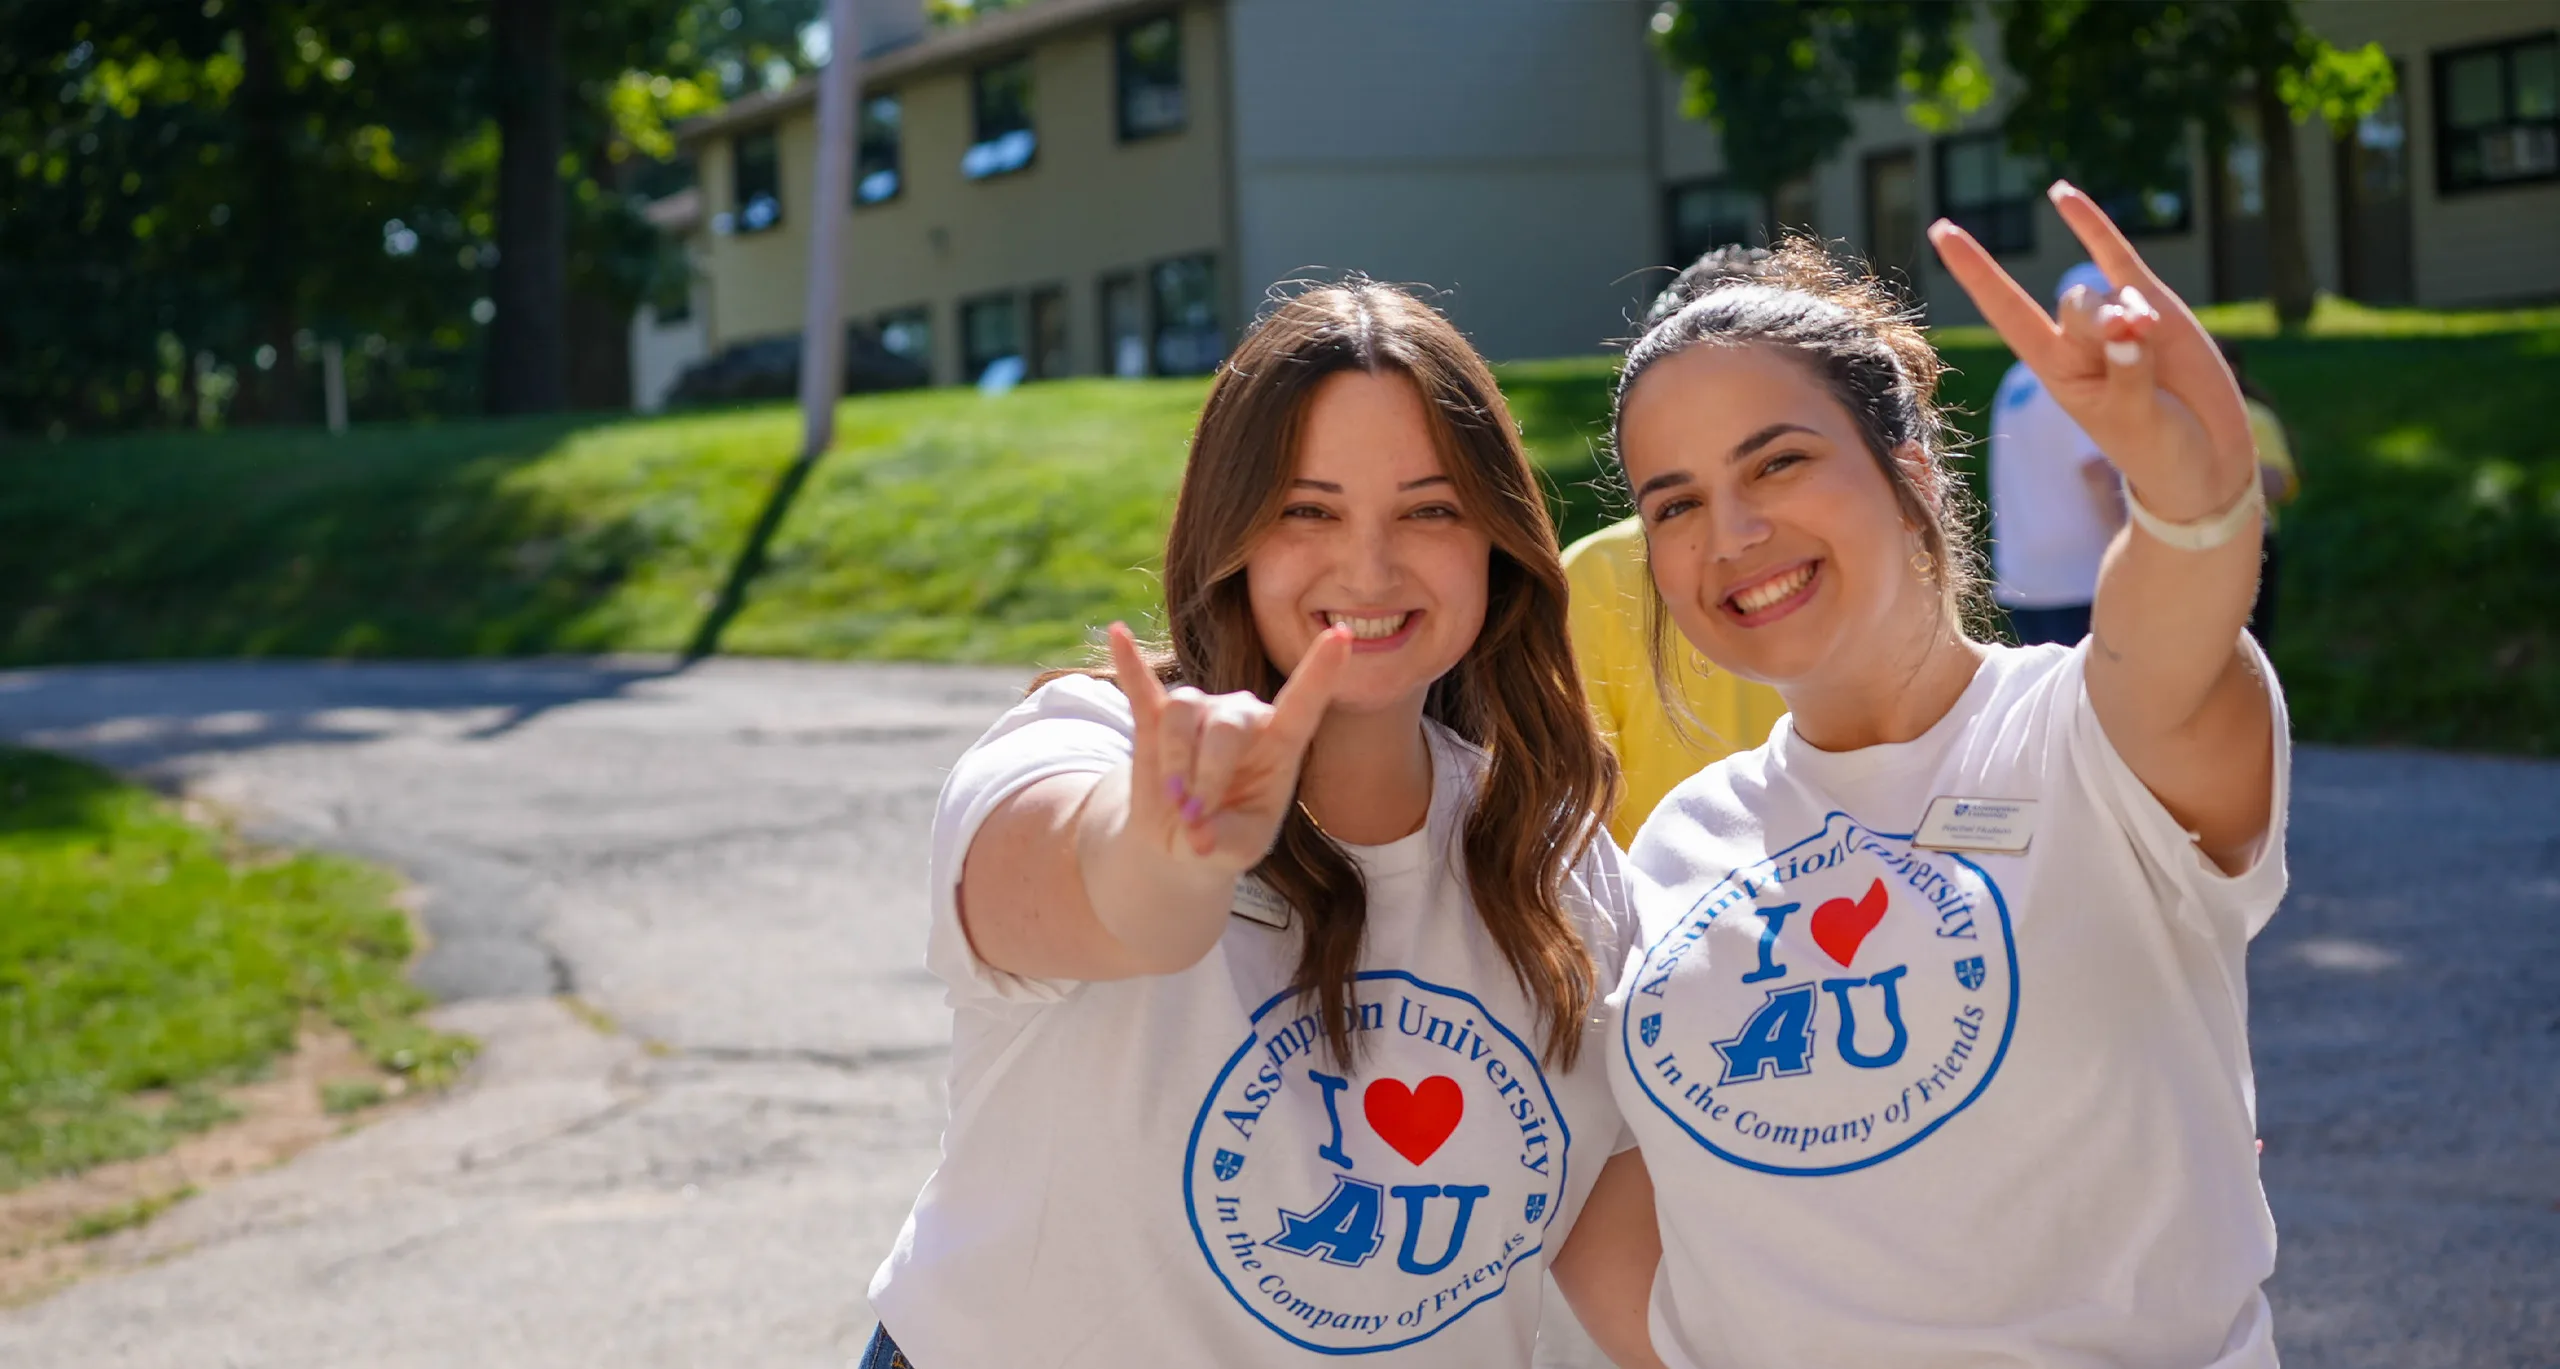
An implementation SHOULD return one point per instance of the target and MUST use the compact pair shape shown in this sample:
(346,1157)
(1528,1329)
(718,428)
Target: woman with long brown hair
(1274,951)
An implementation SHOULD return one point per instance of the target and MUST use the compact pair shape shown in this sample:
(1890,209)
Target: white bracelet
(2208,532)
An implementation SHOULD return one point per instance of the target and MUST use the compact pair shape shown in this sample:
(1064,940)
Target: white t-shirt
(1912,1108)
(2046,537)
(1172,1171)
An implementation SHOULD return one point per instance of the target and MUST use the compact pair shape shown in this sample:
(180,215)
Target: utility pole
(822,334)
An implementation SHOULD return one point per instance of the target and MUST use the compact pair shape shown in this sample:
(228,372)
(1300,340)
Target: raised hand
(2133,367)
(1214,774)
(2177,693)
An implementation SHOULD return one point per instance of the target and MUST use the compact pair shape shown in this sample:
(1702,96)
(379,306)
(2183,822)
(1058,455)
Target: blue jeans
(883,1353)
(2037,626)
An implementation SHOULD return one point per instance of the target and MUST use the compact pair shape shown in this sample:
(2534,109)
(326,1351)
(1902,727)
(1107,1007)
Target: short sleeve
(2248,897)
(1073,725)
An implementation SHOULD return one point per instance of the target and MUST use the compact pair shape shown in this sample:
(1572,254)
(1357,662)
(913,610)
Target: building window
(1706,215)
(909,333)
(670,295)
(2498,114)
(1047,358)
(756,160)
(2148,213)
(2157,211)
(1001,100)
(875,160)
(1798,207)
(990,331)
(1124,327)
(1184,293)
(1893,215)
(1150,66)
(1989,191)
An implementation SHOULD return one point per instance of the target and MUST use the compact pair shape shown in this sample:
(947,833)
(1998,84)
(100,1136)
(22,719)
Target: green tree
(2108,88)
(2163,64)
(188,191)
(1776,77)
(185,190)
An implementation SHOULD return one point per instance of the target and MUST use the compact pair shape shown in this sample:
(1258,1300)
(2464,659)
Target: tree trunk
(276,395)
(528,361)
(2288,244)
(598,323)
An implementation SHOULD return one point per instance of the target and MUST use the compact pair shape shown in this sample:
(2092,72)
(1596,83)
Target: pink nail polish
(1174,790)
(1191,810)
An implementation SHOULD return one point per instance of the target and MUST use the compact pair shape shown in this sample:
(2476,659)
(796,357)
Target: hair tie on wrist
(2201,534)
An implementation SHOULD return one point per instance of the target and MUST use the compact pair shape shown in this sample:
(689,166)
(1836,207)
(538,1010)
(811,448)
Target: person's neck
(1367,776)
(1900,696)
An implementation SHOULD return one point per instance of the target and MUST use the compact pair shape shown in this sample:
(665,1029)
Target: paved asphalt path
(728,861)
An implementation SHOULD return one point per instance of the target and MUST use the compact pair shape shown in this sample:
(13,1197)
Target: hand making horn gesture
(1215,773)
(2133,367)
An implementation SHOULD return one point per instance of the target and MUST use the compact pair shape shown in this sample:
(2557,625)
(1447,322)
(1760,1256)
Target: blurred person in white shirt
(2055,503)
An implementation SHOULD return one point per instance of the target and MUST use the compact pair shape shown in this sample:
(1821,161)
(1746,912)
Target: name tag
(1255,902)
(1999,825)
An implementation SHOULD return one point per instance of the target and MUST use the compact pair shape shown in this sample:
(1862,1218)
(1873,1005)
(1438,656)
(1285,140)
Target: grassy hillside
(2422,592)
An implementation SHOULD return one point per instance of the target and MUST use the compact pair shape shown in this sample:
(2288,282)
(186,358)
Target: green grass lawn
(144,964)
(2421,599)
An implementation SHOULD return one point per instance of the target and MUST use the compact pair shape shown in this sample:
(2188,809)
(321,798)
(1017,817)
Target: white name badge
(1259,902)
(2001,825)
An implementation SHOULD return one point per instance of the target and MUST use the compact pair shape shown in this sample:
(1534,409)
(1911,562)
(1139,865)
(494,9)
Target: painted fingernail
(1192,811)
(2123,353)
(1175,790)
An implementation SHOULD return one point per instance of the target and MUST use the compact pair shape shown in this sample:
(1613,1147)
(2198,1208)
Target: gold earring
(1923,564)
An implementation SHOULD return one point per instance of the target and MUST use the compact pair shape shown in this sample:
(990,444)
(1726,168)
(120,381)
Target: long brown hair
(1516,693)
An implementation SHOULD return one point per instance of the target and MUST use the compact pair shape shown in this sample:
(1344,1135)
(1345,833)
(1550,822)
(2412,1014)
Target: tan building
(1110,186)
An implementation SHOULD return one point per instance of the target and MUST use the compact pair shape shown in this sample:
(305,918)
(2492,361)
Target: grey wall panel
(1397,80)
(1497,149)
(1529,262)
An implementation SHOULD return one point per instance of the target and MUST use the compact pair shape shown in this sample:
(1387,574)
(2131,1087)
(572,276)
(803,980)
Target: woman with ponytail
(1937,1048)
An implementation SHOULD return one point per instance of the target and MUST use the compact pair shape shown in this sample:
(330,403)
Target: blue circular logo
(1353,1210)
(1829,1007)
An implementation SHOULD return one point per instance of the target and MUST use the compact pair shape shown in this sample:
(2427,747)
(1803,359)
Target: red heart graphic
(1417,1120)
(1840,927)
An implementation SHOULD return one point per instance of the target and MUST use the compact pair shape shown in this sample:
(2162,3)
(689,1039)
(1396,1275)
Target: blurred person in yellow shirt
(1612,593)
(2276,472)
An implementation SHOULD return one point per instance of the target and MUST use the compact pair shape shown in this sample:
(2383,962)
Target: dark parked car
(769,368)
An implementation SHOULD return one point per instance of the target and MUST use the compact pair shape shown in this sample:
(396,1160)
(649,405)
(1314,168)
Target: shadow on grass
(751,559)
(392,541)
(49,794)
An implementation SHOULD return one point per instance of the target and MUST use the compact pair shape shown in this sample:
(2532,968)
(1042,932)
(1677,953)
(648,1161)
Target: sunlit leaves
(1776,77)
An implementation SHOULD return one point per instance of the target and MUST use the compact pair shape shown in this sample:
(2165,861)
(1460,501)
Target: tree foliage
(2107,89)
(189,189)
(1778,78)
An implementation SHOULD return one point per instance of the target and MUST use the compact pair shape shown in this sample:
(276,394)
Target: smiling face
(1371,532)
(1778,544)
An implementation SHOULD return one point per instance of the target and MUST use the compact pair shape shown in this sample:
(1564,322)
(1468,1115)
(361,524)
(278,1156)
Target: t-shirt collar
(1831,769)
